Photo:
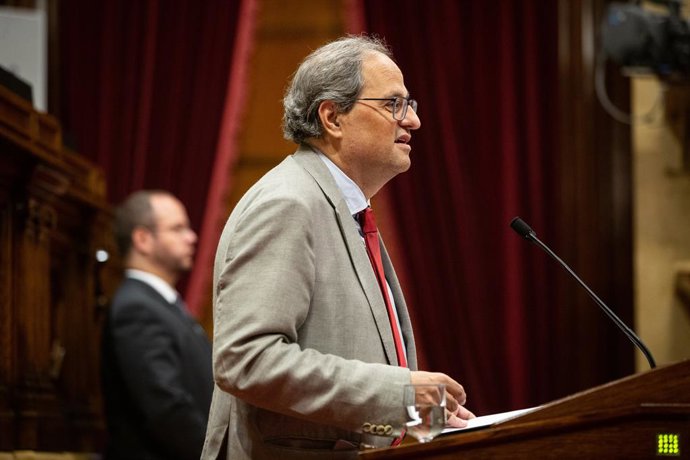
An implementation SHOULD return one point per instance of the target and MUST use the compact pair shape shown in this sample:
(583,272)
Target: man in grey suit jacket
(304,357)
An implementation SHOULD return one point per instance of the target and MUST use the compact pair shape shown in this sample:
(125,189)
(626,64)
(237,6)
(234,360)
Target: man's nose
(411,120)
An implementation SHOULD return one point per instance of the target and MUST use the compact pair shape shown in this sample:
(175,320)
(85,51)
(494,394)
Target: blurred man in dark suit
(157,376)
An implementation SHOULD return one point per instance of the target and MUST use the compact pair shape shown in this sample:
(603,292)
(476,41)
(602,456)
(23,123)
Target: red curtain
(147,92)
(144,93)
(485,76)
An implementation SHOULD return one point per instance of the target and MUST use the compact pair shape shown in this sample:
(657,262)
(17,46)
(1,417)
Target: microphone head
(522,229)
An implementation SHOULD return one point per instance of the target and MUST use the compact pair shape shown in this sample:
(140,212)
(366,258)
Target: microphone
(524,230)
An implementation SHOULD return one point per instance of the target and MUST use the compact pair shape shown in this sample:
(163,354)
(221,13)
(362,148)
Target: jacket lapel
(401,307)
(354,243)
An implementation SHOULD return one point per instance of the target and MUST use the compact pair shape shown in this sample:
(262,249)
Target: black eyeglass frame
(406,102)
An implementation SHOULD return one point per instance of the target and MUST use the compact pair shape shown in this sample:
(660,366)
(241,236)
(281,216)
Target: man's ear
(330,118)
(142,239)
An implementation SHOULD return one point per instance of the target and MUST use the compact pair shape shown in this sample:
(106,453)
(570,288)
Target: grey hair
(332,72)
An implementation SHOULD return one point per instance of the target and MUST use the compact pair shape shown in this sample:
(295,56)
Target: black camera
(635,37)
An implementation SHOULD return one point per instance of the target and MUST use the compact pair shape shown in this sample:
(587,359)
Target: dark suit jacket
(157,377)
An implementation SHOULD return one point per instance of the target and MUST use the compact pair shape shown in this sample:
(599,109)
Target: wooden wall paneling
(53,217)
(78,305)
(7,337)
(35,401)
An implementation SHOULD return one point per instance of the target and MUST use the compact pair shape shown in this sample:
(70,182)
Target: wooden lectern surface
(643,416)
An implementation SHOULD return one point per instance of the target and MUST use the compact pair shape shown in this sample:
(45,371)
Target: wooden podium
(643,416)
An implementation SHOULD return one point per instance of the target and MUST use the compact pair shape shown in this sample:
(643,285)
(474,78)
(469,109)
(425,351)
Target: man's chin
(185,267)
(404,163)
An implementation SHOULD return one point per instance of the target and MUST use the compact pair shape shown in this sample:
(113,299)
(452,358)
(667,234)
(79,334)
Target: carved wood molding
(34,131)
(53,216)
(56,169)
(39,221)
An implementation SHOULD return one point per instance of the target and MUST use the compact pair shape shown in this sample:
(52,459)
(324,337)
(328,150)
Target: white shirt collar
(161,286)
(354,197)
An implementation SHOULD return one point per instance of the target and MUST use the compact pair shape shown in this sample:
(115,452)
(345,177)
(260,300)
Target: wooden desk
(622,419)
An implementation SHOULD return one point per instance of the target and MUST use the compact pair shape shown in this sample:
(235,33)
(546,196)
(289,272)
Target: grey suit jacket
(303,350)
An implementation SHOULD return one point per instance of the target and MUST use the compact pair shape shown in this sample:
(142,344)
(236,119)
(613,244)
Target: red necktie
(371,238)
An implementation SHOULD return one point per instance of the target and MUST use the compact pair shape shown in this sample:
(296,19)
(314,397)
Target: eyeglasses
(396,105)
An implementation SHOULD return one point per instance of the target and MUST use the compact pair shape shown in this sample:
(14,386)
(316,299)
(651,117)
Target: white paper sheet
(488,420)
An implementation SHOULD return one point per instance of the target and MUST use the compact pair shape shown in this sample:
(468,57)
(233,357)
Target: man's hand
(455,395)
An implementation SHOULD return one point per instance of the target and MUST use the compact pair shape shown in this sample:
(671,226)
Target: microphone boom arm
(524,230)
